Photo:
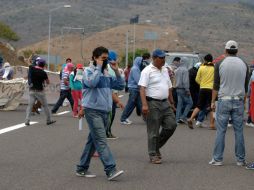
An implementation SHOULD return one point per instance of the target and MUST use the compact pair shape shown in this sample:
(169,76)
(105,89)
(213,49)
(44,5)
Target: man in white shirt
(156,93)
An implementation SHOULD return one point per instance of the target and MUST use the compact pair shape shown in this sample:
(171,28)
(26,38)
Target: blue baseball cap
(112,56)
(158,53)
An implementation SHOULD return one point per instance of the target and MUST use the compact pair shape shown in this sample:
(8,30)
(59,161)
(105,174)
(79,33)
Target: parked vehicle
(192,58)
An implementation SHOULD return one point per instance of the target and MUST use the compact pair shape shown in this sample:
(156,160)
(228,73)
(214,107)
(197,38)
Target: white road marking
(8,129)
(61,113)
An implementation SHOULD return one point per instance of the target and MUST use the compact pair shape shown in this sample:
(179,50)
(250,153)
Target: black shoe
(50,122)
(85,174)
(27,123)
(114,174)
(111,136)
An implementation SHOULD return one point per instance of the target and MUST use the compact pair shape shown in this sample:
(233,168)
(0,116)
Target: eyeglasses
(161,57)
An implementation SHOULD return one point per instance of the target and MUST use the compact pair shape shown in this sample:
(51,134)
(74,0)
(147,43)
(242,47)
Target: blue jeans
(97,121)
(183,99)
(63,94)
(133,101)
(225,110)
(201,115)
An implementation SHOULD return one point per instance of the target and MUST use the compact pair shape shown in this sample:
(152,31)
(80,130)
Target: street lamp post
(134,41)
(50,12)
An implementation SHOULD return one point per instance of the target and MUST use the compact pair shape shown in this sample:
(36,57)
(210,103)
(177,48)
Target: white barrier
(11,92)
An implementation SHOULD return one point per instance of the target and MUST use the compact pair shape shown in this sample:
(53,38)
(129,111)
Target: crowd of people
(166,95)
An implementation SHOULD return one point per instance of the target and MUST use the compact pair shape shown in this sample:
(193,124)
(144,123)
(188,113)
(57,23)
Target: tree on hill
(138,52)
(7,33)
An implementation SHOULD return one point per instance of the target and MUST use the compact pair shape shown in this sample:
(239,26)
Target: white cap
(231,44)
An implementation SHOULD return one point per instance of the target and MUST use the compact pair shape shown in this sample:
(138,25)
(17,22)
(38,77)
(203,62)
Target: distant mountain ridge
(204,24)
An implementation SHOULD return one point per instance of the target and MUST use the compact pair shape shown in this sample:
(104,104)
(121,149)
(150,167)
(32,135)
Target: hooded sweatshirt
(135,74)
(182,76)
(76,80)
(97,88)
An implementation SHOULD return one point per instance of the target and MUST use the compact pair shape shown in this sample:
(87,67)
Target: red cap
(79,66)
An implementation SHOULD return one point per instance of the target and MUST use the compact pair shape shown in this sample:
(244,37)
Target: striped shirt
(65,75)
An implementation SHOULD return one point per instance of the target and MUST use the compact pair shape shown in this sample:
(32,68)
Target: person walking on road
(231,86)
(184,101)
(97,103)
(38,78)
(134,96)
(65,91)
(76,87)
(156,93)
(204,78)
(112,59)
(127,71)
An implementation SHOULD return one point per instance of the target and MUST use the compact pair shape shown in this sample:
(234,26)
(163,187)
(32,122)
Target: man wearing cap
(112,59)
(65,91)
(230,85)
(38,78)
(156,96)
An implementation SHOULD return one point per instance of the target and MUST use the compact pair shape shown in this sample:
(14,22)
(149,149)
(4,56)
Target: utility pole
(134,40)
(126,48)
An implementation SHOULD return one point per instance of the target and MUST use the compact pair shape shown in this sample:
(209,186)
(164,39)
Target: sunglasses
(161,57)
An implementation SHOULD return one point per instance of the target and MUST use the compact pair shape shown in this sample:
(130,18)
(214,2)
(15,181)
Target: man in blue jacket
(134,96)
(97,103)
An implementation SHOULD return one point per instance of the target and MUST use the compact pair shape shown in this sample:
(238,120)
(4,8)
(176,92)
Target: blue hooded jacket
(97,88)
(135,74)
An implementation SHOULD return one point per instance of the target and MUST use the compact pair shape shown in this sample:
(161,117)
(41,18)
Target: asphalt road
(45,157)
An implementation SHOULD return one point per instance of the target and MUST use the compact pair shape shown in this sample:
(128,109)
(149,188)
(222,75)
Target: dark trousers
(133,101)
(111,119)
(160,116)
(126,86)
(63,94)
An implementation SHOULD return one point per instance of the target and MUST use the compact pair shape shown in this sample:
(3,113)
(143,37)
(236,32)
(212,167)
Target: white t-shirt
(157,82)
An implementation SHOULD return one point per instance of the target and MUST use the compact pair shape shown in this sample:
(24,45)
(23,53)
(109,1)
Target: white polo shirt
(157,82)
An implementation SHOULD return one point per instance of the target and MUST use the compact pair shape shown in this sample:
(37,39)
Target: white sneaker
(129,120)
(199,124)
(125,122)
(243,163)
(249,124)
(215,163)
(230,125)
